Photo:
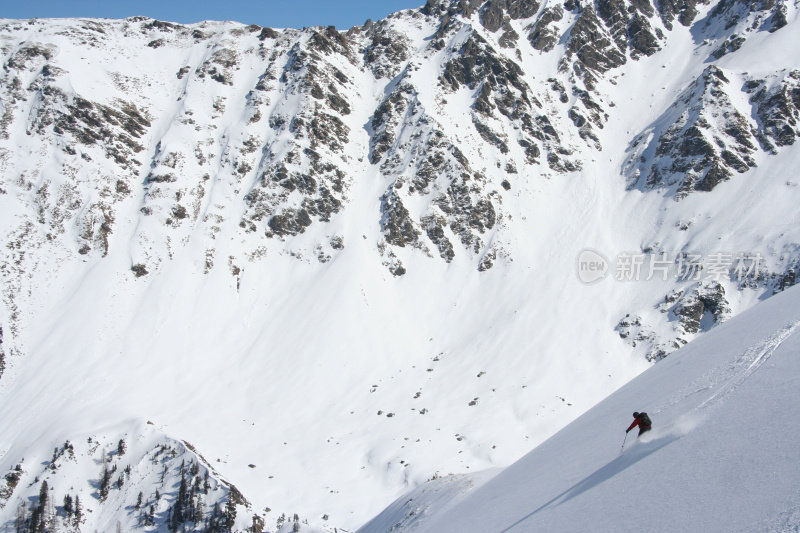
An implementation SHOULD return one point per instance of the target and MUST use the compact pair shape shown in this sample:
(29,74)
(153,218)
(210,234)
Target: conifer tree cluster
(41,515)
(67,449)
(188,505)
(187,511)
(188,498)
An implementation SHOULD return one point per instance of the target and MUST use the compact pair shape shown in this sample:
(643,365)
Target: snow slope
(722,455)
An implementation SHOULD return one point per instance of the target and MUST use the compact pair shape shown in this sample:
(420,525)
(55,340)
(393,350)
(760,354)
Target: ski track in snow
(722,380)
(730,375)
(752,359)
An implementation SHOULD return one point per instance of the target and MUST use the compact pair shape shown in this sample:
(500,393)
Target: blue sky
(274,13)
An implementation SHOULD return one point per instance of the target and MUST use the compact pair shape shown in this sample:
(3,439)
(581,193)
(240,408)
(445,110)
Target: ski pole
(623,442)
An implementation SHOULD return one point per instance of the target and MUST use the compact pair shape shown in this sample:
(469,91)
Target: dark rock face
(707,140)
(28,53)
(290,222)
(387,52)
(495,13)
(220,66)
(613,13)
(79,130)
(116,128)
(434,228)
(633,331)
(429,164)
(544,34)
(386,118)
(476,62)
(267,33)
(777,106)
(700,308)
(692,310)
(310,164)
(769,15)
(490,136)
(788,278)
(684,10)
(731,44)
(521,9)
(593,45)
(731,22)
(396,223)
(641,36)
(502,90)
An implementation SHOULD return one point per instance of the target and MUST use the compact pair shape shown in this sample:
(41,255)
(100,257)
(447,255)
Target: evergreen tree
(53,460)
(105,480)
(78,510)
(198,512)
(229,515)
(68,505)
(179,508)
(213,525)
(39,516)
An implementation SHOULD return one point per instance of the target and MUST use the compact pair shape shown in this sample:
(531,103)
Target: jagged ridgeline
(283,123)
(227,133)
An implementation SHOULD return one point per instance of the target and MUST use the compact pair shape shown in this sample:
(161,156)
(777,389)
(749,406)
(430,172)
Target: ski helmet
(635,415)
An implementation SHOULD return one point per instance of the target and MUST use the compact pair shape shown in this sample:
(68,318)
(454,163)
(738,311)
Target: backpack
(644,420)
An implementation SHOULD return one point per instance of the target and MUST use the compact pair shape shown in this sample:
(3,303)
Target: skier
(641,420)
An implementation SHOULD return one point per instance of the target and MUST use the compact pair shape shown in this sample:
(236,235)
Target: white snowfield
(722,456)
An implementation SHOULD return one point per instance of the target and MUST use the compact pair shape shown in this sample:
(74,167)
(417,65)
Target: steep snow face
(350,259)
(721,455)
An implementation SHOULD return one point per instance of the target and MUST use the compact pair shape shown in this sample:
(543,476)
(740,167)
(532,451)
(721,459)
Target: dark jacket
(643,421)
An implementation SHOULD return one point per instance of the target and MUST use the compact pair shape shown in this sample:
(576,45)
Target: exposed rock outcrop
(698,143)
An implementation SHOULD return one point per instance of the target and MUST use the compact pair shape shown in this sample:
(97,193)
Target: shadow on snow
(618,465)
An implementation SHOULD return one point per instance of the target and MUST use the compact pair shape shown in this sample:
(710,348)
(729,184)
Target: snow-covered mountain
(341,263)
